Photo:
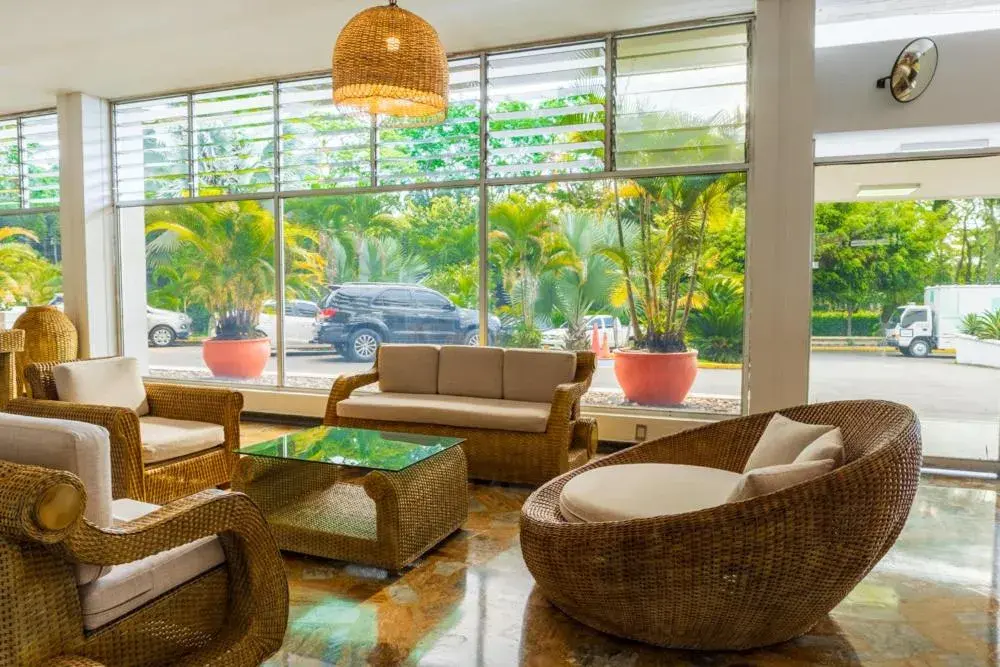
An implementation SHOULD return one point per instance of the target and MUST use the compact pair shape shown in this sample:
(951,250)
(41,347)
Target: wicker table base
(379,518)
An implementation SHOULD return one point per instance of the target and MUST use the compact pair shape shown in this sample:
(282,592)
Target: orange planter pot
(656,378)
(243,359)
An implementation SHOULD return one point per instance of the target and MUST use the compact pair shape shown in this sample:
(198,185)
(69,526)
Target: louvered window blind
(29,162)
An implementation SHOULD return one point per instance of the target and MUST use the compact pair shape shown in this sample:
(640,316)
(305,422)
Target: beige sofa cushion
(408,369)
(471,371)
(643,490)
(830,445)
(124,510)
(112,382)
(164,439)
(76,447)
(761,481)
(533,375)
(460,411)
(127,587)
(782,441)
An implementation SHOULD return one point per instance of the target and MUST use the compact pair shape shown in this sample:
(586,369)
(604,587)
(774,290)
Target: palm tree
(25,276)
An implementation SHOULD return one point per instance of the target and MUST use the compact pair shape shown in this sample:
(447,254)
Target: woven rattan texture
(503,456)
(741,575)
(49,336)
(161,482)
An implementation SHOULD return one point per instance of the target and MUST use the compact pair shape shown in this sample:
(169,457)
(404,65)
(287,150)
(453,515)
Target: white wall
(964,89)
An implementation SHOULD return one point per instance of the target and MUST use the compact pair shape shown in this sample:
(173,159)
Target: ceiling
(843,11)
(939,179)
(127,48)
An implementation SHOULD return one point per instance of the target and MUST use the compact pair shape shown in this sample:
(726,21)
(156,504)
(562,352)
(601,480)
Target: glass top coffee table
(374,497)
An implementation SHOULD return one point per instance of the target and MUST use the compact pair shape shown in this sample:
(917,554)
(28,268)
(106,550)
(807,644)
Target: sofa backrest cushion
(471,371)
(408,369)
(76,447)
(533,375)
(782,441)
(771,479)
(113,382)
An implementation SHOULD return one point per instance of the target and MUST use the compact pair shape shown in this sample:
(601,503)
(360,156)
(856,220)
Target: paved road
(935,388)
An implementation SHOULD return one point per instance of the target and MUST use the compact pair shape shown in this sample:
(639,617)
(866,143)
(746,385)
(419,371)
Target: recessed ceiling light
(889,190)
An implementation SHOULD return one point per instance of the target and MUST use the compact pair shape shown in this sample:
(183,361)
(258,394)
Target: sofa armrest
(212,405)
(39,504)
(564,403)
(342,388)
(258,585)
(122,425)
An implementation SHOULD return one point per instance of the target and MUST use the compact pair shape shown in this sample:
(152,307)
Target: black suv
(357,317)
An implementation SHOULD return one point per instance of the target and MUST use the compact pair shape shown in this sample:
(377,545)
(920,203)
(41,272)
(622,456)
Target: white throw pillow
(830,445)
(782,441)
(775,478)
(112,382)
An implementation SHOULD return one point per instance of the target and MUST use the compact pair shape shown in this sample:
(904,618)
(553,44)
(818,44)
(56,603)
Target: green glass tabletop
(355,447)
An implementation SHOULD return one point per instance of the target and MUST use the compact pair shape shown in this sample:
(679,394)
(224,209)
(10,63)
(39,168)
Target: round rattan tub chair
(744,574)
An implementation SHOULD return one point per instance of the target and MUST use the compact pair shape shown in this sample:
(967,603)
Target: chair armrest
(122,426)
(30,497)
(258,585)
(342,389)
(564,403)
(212,405)
(71,661)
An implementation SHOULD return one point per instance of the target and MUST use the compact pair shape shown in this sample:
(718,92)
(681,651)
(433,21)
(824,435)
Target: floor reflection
(471,602)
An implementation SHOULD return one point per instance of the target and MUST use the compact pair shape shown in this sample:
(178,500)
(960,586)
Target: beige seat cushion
(76,447)
(164,439)
(124,510)
(830,445)
(533,375)
(461,411)
(782,441)
(643,490)
(127,587)
(113,382)
(761,481)
(471,371)
(408,369)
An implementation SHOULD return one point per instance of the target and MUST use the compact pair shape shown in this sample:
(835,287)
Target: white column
(87,222)
(780,206)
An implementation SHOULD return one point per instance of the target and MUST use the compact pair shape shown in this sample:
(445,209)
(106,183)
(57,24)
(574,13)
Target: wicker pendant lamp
(389,62)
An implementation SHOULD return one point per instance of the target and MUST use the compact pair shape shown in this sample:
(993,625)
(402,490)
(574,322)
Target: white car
(300,322)
(618,333)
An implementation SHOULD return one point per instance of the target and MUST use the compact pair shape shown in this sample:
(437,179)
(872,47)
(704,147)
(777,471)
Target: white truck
(917,330)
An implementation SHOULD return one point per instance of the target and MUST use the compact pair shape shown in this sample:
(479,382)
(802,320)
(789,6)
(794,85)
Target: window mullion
(484,219)
(22,192)
(609,104)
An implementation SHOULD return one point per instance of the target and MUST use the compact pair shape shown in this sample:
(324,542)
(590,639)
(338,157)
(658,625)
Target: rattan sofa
(740,575)
(561,441)
(87,580)
(158,482)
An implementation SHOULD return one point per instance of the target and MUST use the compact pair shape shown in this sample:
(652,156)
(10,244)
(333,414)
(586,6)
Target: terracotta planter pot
(656,378)
(236,358)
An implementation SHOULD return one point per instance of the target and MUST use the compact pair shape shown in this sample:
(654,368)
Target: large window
(592,191)
(30,246)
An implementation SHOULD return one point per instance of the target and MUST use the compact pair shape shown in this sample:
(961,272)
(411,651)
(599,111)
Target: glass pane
(369,262)
(30,264)
(445,152)
(10,165)
(681,98)
(906,308)
(607,267)
(234,141)
(209,278)
(357,448)
(40,140)
(546,111)
(320,147)
(151,149)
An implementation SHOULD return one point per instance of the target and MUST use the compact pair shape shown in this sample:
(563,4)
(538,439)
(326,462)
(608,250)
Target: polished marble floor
(931,602)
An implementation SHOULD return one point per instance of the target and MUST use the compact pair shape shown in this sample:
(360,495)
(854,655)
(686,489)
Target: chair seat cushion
(643,490)
(132,585)
(164,439)
(460,411)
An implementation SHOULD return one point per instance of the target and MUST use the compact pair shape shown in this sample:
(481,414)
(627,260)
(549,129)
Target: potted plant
(659,254)
(221,255)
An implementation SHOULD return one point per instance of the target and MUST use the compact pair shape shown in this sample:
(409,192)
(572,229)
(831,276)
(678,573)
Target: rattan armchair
(233,615)
(740,575)
(568,441)
(159,482)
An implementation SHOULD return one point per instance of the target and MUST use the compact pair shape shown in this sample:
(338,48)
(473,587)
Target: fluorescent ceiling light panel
(888,190)
(959,145)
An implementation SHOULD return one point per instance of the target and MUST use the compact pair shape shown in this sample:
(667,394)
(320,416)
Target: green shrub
(984,326)
(716,330)
(834,323)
